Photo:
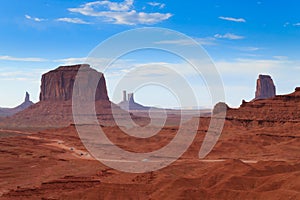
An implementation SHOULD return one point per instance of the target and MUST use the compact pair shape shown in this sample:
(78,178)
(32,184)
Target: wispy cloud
(70,61)
(29,59)
(156,4)
(232,19)
(248,48)
(11,74)
(119,13)
(296,24)
(208,41)
(93,61)
(34,18)
(113,6)
(280,57)
(229,36)
(72,20)
(248,66)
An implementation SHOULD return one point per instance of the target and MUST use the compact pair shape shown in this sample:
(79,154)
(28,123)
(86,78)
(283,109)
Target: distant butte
(57,85)
(265,87)
(4,112)
(129,103)
(55,106)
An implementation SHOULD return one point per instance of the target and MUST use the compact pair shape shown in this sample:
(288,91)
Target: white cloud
(70,61)
(72,20)
(232,19)
(296,24)
(156,4)
(119,13)
(93,61)
(34,18)
(247,66)
(21,74)
(280,57)
(113,6)
(248,48)
(229,36)
(10,58)
(208,41)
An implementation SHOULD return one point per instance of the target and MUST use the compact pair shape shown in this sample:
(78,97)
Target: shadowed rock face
(57,85)
(265,87)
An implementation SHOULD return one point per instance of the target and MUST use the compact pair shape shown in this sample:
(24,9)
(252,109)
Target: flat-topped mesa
(57,85)
(265,87)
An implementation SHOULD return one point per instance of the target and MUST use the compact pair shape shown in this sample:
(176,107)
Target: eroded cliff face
(57,85)
(55,106)
(265,87)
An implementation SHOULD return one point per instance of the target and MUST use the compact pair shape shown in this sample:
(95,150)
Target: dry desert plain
(256,157)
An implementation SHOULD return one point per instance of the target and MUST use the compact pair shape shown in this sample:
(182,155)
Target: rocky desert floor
(250,161)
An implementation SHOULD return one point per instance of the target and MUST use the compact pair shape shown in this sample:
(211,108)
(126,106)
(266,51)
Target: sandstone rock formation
(265,87)
(55,106)
(11,111)
(130,104)
(57,85)
(27,97)
(281,108)
(220,107)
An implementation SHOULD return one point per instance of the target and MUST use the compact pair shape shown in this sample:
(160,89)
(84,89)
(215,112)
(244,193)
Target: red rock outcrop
(57,85)
(281,108)
(265,87)
(55,106)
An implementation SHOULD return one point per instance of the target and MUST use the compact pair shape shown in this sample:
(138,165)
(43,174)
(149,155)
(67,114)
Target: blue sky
(243,38)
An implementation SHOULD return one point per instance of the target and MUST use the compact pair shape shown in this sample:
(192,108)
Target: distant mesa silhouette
(55,106)
(128,103)
(4,112)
